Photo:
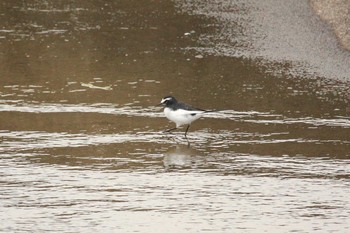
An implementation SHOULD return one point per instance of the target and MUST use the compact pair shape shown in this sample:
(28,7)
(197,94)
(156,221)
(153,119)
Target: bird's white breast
(181,116)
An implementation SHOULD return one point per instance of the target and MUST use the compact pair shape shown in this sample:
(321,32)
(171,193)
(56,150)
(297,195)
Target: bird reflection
(180,156)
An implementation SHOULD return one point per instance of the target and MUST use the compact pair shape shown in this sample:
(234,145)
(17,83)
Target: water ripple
(107,108)
(15,141)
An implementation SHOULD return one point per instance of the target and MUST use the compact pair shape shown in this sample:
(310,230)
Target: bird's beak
(159,104)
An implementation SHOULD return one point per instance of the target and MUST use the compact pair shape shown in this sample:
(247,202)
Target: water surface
(82,145)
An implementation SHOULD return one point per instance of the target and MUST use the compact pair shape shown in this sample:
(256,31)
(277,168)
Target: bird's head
(168,100)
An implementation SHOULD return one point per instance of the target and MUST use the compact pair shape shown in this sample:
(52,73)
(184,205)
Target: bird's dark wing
(188,107)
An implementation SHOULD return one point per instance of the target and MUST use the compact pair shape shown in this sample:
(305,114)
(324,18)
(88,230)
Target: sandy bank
(337,14)
(287,32)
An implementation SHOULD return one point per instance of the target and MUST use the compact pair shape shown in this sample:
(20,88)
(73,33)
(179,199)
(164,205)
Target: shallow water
(82,145)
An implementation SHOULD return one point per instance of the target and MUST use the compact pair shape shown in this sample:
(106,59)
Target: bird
(180,113)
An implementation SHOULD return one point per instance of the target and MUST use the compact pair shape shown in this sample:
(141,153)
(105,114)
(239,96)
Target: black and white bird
(180,113)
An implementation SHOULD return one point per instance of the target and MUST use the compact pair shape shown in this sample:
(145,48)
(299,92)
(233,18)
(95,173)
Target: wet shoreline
(285,32)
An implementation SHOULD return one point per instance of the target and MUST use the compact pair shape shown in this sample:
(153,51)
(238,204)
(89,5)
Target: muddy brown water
(82,144)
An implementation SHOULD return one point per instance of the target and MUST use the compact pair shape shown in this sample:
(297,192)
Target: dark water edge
(337,15)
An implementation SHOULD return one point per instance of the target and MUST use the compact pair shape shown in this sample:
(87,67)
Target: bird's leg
(188,126)
(169,130)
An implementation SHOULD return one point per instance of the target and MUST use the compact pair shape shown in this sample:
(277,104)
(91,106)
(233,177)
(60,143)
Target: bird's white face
(165,100)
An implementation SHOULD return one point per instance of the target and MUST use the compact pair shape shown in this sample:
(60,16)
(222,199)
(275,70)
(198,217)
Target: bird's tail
(213,110)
